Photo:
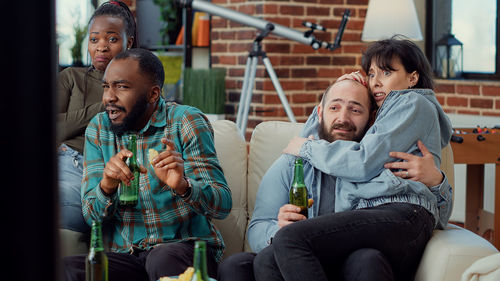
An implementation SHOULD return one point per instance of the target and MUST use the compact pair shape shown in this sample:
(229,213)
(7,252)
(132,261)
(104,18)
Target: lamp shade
(385,18)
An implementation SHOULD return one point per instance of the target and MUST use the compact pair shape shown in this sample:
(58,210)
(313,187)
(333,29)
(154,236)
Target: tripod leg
(279,90)
(244,92)
(248,98)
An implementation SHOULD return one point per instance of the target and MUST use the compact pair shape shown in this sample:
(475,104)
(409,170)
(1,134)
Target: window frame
(431,51)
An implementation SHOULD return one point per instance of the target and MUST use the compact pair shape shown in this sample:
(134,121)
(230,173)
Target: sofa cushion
(232,153)
(450,252)
(266,145)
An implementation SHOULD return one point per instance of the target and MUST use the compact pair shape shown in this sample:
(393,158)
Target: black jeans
(164,260)
(313,249)
(363,264)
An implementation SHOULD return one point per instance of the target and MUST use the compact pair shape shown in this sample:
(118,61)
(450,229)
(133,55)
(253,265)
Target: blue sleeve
(412,118)
(444,197)
(272,194)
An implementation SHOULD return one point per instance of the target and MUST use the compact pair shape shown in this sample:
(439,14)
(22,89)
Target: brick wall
(305,73)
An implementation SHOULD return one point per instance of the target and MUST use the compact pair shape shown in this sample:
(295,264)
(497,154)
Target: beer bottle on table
(298,191)
(200,262)
(96,263)
(128,194)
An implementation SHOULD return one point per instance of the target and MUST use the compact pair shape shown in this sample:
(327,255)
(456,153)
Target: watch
(188,190)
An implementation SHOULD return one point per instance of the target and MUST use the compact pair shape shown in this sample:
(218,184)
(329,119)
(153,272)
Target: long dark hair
(412,58)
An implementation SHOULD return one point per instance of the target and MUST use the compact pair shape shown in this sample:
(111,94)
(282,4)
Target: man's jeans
(313,249)
(70,181)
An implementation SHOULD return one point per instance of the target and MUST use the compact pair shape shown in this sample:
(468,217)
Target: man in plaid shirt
(180,191)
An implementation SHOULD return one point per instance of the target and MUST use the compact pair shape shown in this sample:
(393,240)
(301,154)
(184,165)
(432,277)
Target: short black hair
(149,64)
(119,10)
(412,58)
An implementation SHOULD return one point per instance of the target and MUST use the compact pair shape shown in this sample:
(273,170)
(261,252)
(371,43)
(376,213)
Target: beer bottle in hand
(298,191)
(128,194)
(96,263)
(200,262)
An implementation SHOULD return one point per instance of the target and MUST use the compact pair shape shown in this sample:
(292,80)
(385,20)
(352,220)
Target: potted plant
(76,51)
(169,15)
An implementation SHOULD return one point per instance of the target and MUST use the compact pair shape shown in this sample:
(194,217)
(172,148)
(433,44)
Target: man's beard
(132,118)
(326,133)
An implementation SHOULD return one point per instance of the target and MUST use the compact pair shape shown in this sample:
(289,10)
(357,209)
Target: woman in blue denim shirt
(373,207)
(112,29)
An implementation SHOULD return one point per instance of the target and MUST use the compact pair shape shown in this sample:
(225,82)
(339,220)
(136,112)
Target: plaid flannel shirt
(160,216)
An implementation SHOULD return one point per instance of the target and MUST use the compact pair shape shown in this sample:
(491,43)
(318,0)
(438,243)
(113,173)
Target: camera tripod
(249,80)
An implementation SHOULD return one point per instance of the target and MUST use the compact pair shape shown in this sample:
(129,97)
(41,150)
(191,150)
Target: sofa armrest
(450,252)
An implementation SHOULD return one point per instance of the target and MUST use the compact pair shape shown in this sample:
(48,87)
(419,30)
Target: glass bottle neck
(96,237)
(298,176)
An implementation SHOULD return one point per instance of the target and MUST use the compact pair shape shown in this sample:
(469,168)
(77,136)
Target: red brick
(292,85)
(282,21)
(218,48)
(228,35)
(271,99)
(332,73)
(277,47)
(468,89)
(354,49)
(303,98)
(481,103)
(293,60)
(457,101)
(292,10)
(444,88)
(302,49)
(306,1)
(357,2)
(331,1)
(317,85)
(491,90)
(497,104)
(238,47)
(362,12)
(323,60)
(246,34)
(339,12)
(270,9)
(491,113)
(227,60)
(467,112)
(218,22)
(318,11)
(355,25)
(440,100)
(338,60)
(247,9)
(304,73)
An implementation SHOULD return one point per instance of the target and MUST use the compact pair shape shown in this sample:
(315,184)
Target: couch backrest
(232,153)
(266,145)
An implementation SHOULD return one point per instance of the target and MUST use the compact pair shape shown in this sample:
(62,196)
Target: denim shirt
(362,181)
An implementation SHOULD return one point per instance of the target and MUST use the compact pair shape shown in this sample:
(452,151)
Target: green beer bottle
(96,263)
(298,192)
(200,262)
(128,194)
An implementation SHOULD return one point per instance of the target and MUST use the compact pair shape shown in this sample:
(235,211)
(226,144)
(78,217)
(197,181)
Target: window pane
(69,13)
(474,24)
